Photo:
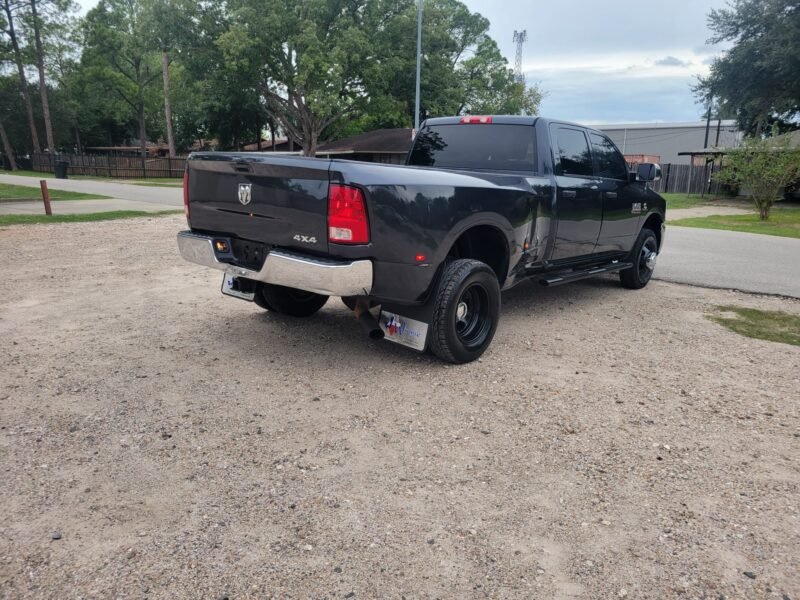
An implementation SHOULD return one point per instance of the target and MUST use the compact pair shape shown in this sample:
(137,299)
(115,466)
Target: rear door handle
(569,194)
(611,195)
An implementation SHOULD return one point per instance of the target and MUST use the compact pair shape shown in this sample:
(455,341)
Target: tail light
(475,120)
(186,193)
(347,215)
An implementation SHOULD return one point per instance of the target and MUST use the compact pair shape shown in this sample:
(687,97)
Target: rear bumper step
(570,276)
(289,269)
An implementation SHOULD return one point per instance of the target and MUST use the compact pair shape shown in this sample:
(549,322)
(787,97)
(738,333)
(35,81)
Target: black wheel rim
(648,248)
(472,317)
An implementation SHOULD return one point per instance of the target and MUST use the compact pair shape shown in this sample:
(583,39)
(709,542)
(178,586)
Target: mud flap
(407,325)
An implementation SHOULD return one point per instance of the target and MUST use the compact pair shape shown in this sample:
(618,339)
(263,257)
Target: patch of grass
(675,200)
(23,192)
(155,181)
(773,326)
(46,175)
(23,173)
(148,183)
(101,216)
(783,222)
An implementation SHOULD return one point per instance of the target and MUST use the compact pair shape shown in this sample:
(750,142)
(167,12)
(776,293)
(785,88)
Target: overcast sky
(606,61)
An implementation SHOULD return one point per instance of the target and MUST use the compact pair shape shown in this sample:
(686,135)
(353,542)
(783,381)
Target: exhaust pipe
(368,322)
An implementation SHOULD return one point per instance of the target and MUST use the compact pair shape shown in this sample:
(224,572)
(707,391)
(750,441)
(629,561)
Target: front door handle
(569,194)
(611,195)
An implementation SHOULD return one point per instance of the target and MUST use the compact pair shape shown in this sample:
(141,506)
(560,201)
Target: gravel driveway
(610,444)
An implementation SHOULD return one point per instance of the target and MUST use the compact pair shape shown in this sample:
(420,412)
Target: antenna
(520,37)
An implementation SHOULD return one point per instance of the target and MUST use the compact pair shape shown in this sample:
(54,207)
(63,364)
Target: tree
(215,97)
(757,79)
(8,89)
(764,167)
(463,70)
(309,57)
(9,8)
(45,17)
(163,25)
(118,56)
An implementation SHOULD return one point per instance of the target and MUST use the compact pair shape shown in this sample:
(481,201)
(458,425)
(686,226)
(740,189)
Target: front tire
(289,301)
(643,256)
(466,311)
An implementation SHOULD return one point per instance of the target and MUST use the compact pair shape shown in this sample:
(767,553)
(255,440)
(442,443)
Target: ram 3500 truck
(481,204)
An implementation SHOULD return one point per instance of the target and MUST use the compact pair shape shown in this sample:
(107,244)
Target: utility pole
(419,62)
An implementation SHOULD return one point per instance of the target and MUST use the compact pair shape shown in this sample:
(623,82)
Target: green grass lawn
(155,181)
(783,222)
(768,325)
(160,182)
(24,192)
(675,200)
(101,216)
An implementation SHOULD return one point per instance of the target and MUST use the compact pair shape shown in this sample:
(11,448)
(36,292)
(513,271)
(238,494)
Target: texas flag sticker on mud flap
(404,331)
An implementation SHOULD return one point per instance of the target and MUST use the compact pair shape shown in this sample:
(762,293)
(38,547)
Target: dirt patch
(186,445)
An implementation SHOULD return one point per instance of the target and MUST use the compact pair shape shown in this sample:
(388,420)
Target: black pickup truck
(482,203)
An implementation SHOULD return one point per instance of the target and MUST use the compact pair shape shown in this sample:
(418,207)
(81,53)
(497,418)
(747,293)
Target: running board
(570,276)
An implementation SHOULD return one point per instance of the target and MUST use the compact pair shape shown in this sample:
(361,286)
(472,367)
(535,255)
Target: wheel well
(486,244)
(653,223)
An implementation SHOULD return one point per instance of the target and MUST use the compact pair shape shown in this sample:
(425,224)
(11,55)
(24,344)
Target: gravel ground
(180,444)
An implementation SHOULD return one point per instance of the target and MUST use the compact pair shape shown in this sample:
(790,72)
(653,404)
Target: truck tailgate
(275,200)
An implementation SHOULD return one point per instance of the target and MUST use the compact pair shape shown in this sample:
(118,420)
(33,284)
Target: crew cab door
(619,196)
(579,206)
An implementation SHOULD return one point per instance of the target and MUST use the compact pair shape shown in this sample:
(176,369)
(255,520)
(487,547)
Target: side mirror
(648,172)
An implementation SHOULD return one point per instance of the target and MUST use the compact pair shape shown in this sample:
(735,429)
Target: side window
(608,162)
(572,153)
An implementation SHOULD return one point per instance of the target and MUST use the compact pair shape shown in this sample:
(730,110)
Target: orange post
(45,197)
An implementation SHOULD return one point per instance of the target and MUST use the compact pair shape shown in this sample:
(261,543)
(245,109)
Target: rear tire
(642,255)
(289,301)
(466,311)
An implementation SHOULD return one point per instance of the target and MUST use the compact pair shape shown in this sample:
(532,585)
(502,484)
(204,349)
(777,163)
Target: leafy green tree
(165,26)
(9,88)
(463,70)
(757,79)
(44,20)
(765,167)
(215,97)
(309,56)
(10,23)
(118,56)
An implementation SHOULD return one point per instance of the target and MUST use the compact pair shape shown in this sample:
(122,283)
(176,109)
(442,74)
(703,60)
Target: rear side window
(608,162)
(572,153)
(470,146)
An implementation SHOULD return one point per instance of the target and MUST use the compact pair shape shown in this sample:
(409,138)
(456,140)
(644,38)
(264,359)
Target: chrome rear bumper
(290,269)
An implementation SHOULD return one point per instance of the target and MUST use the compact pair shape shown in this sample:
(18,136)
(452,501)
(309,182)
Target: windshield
(467,146)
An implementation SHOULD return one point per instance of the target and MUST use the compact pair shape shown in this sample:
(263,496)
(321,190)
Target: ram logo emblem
(245,193)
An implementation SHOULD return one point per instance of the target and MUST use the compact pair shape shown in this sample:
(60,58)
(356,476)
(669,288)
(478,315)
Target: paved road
(704,257)
(728,259)
(170,197)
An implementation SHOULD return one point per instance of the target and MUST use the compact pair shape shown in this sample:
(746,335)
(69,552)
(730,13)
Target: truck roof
(506,120)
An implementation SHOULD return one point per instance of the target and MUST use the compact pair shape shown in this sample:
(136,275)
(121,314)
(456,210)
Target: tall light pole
(419,62)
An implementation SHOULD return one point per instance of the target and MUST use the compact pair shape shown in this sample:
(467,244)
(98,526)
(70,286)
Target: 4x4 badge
(245,193)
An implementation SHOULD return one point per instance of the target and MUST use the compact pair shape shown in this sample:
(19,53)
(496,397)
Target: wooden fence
(686,179)
(121,167)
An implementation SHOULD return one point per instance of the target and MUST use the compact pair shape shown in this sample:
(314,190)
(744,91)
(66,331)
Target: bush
(765,167)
